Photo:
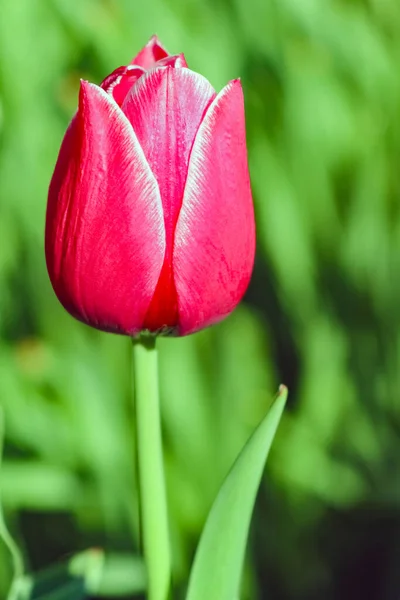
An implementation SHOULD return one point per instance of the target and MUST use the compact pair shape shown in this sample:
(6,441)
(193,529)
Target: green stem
(152,494)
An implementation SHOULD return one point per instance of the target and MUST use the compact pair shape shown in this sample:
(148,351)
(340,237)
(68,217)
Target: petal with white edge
(105,237)
(214,241)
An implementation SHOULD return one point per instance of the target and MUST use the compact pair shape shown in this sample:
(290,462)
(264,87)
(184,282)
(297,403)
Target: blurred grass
(322,89)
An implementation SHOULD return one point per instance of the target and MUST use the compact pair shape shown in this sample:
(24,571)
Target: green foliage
(322,91)
(217,566)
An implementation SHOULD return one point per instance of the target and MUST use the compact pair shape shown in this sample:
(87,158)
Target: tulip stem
(152,493)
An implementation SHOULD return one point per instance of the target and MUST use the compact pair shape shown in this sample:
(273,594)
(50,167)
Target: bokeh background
(322,314)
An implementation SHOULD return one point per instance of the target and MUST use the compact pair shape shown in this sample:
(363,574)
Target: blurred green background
(322,90)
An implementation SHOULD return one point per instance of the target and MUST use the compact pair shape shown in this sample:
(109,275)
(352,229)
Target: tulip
(150,222)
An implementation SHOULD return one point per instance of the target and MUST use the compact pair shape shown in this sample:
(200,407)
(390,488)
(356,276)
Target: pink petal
(215,233)
(176,60)
(150,54)
(165,108)
(120,81)
(105,239)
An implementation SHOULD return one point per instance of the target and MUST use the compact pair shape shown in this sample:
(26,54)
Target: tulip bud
(150,222)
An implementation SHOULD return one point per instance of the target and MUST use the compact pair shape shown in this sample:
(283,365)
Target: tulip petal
(165,108)
(150,54)
(175,60)
(105,239)
(215,233)
(120,81)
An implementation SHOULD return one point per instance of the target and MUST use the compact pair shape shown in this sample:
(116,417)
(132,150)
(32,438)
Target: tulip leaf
(56,583)
(89,573)
(15,592)
(217,567)
(71,580)
(110,575)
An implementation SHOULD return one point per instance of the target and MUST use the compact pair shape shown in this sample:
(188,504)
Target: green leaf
(15,592)
(217,566)
(88,566)
(109,575)
(57,583)
(74,589)
(71,580)
(89,573)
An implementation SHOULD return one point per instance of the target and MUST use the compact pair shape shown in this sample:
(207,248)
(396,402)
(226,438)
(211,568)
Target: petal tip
(235,83)
(233,88)
(180,60)
(174,60)
(85,86)
(152,52)
(86,91)
(154,41)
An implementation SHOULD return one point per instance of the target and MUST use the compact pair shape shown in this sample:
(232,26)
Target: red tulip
(150,222)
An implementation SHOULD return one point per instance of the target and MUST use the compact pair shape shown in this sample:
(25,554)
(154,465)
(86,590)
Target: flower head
(150,222)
